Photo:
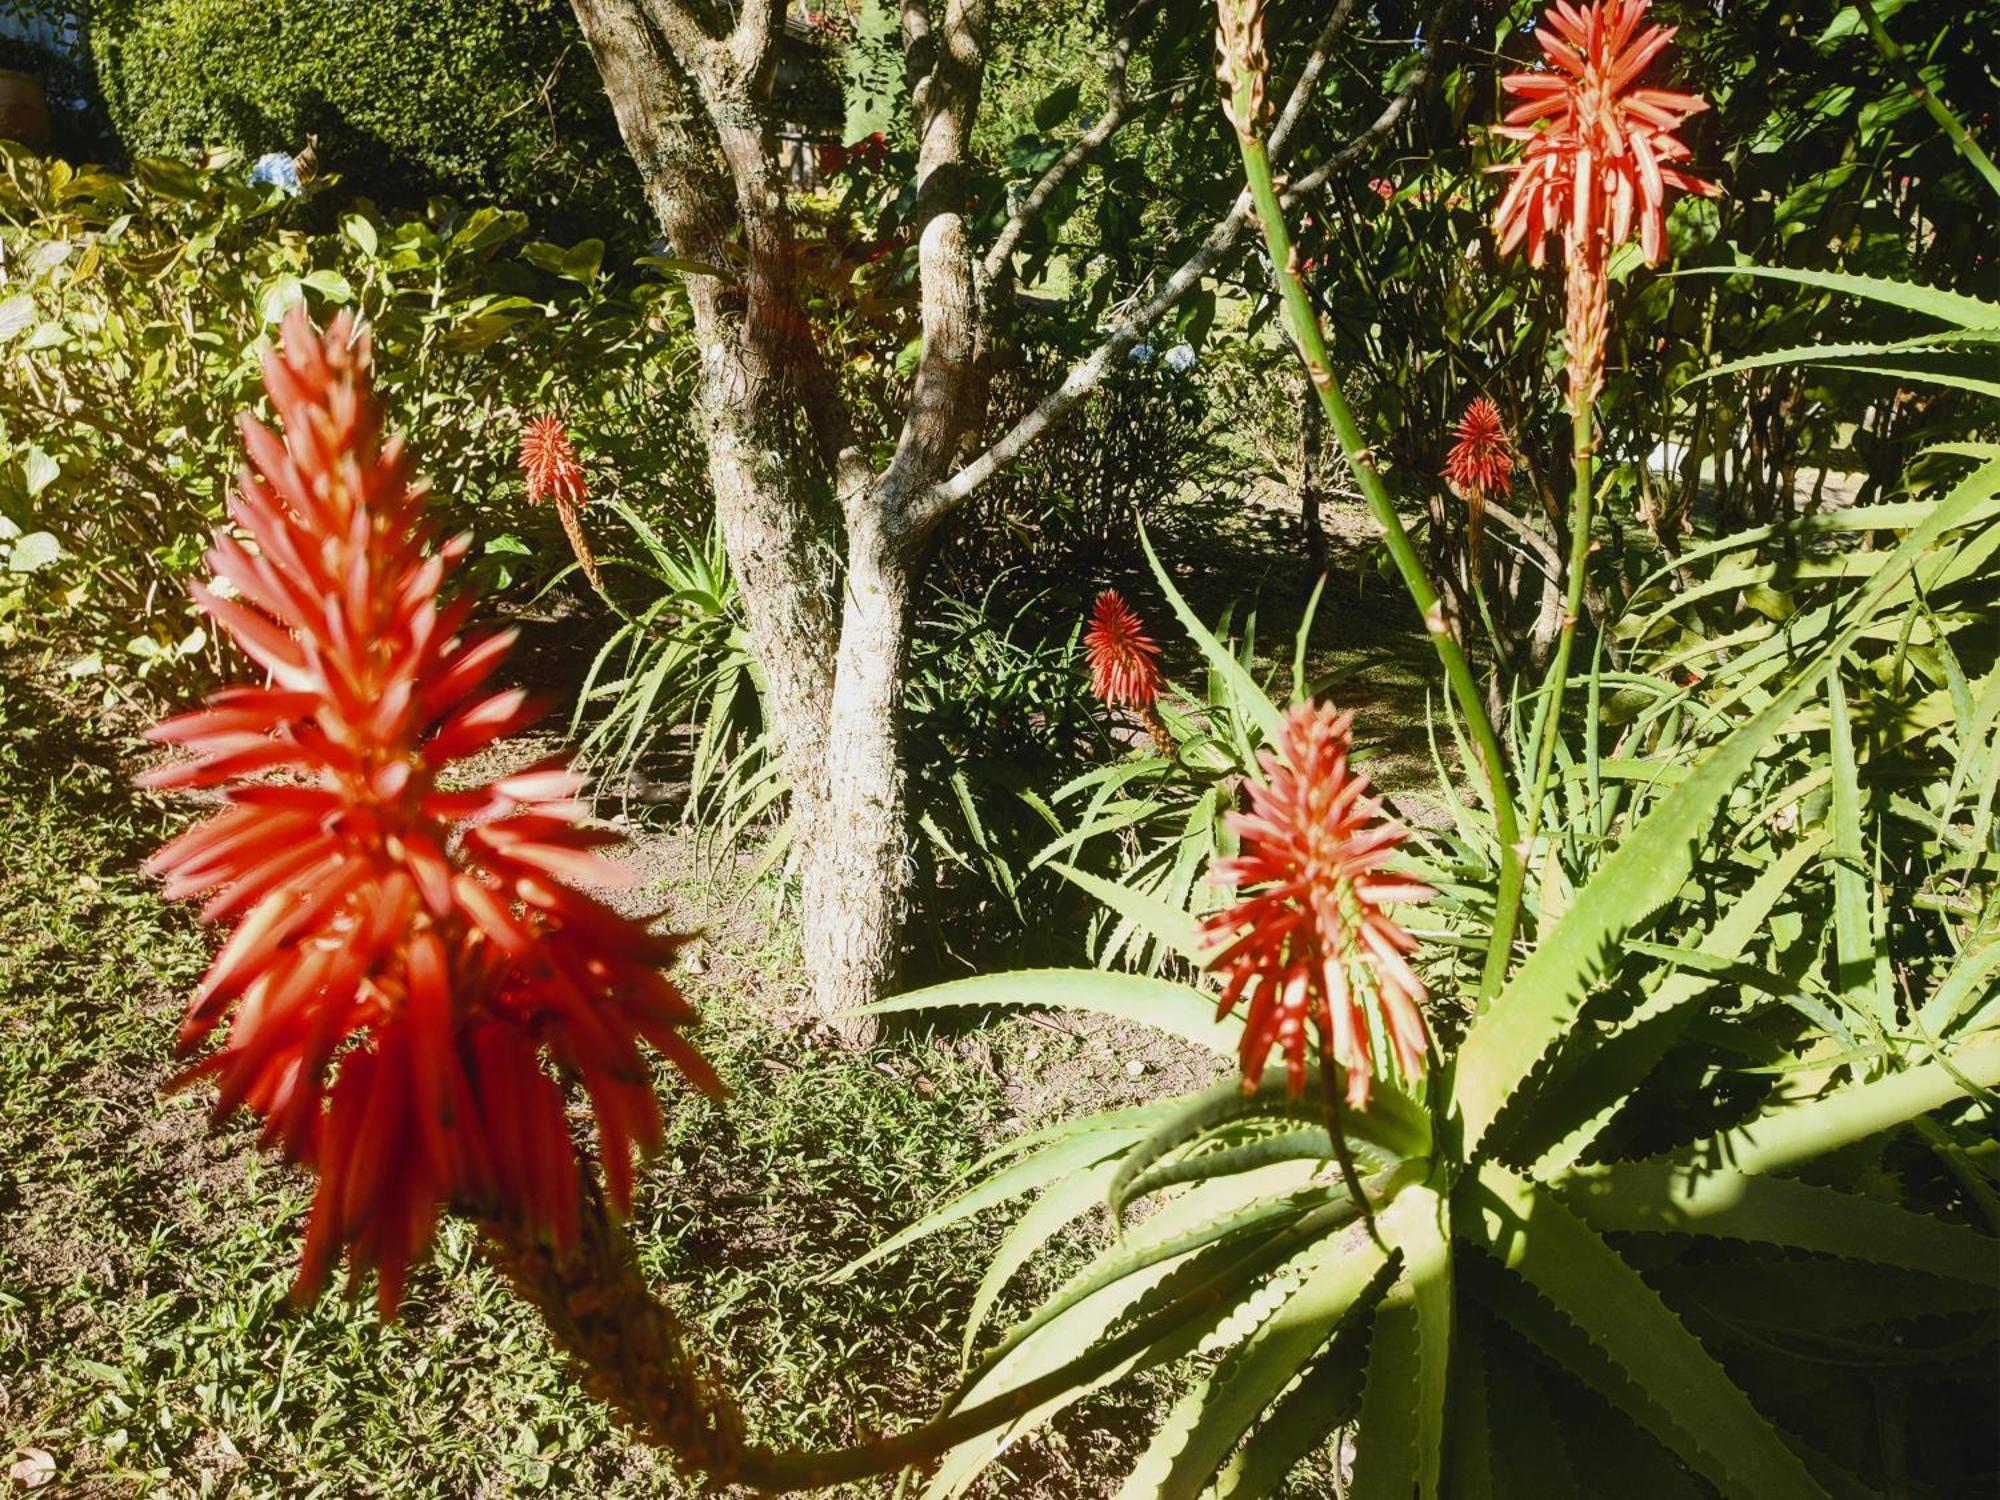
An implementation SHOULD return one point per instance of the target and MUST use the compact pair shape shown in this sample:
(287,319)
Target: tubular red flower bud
(1481,462)
(1309,942)
(1599,160)
(1124,671)
(548,461)
(408,980)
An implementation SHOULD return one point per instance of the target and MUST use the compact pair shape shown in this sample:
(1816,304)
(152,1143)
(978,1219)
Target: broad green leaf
(1949,307)
(1795,1132)
(1509,1038)
(1533,1234)
(1678,1198)
(1177,1009)
(33,552)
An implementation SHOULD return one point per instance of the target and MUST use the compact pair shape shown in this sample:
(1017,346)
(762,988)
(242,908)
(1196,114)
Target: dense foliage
(1610,1106)
(411,98)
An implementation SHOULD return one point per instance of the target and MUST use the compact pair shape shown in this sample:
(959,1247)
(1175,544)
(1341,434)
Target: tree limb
(1085,376)
(996,268)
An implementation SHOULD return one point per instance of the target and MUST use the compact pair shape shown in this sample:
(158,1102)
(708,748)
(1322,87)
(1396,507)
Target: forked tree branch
(996,267)
(1085,376)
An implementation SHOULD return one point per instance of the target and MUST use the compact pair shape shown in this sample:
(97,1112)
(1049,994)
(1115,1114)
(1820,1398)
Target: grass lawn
(147,1343)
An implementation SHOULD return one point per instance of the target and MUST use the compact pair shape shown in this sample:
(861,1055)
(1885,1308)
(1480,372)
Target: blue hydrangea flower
(1180,359)
(276,169)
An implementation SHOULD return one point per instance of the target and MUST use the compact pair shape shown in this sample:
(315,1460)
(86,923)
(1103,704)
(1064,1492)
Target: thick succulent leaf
(1386,1462)
(1157,1315)
(1510,1037)
(1061,1204)
(1202,1428)
(1400,1444)
(1247,1211)
(1796,1131)
(1534,1319)
(1310,1143)
(1796,1294)
(1050,1164)
(1665,1197)
(1329,1396)
(1141,1116)
(1961,990)
(1469,1434)
(1711,1422)
(1597,1091)
(1177,1009)
(1933,302)
(1167,923)
(1862,964)
(1390,1123)
(1248,696)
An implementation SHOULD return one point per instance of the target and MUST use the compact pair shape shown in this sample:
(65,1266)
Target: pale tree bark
(828,546)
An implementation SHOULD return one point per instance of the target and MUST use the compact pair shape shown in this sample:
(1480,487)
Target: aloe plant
(1513,1284)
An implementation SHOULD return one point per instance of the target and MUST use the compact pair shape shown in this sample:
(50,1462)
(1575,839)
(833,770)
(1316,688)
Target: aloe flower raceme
(1124,663)
(1599,159)
(411,974)
(1309,941)
(1480,466)
(549,463)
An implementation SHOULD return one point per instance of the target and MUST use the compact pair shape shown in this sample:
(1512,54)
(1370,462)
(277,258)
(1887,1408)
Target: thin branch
(1316,61)
(1392,112)
(753,42)
(1085,376)
(996,268)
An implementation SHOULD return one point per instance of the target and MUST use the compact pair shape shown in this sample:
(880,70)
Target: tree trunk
(857,865)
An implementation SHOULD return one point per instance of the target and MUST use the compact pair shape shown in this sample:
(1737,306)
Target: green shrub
(407,98)
(131,333)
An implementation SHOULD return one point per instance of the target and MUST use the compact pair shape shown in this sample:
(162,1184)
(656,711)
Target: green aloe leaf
(1026,1175)
(1161,920)
(1192,1443)
(1249,697)
(1510,1037)
(1679,1198)
(1932,302)
(1795,1131)
(1713,1424)
(1400,1444)
(1177,1009)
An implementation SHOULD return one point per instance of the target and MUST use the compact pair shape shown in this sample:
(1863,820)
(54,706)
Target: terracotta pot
(24,109)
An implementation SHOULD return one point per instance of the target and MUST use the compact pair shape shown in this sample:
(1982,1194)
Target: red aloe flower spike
(1309,941)
(549,462)
(1124,666)
(409,979)
(1480,466)
(1599,159)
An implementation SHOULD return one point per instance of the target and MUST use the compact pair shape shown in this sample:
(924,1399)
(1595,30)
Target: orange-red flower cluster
(1599,160)
(1480,465)
(410,977)
(1123,665)
(1310,940)
(548,460)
